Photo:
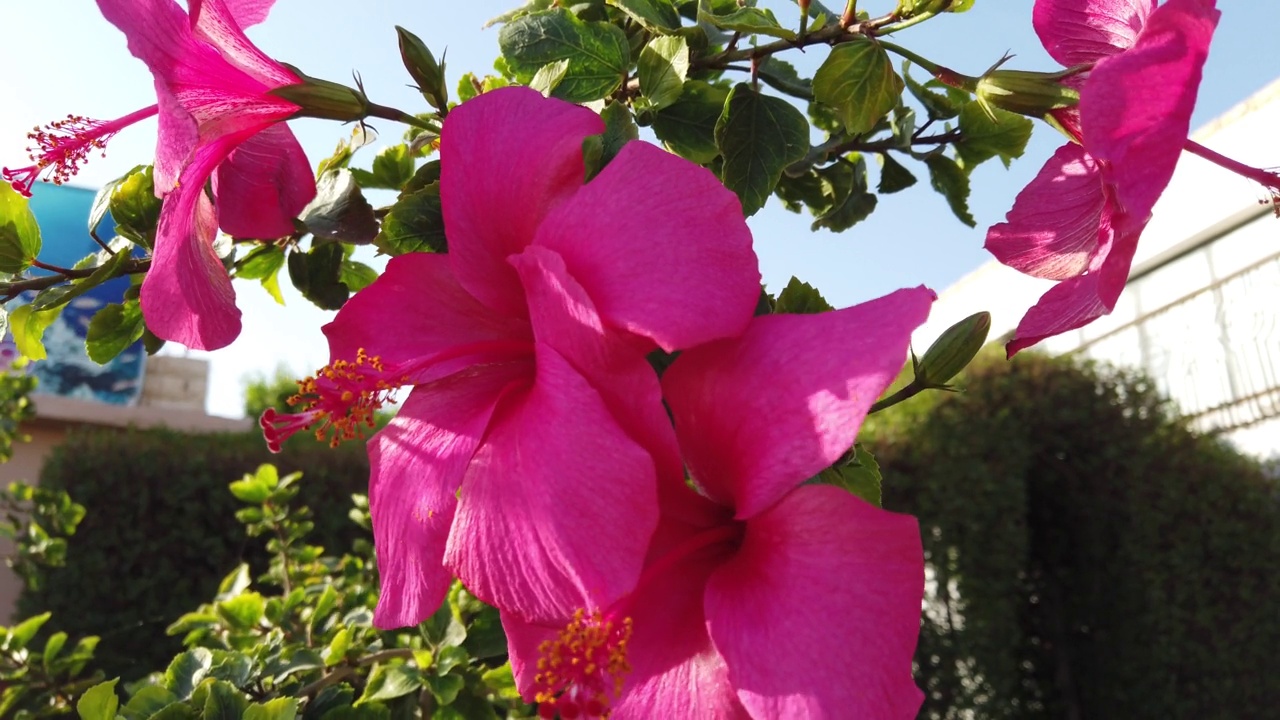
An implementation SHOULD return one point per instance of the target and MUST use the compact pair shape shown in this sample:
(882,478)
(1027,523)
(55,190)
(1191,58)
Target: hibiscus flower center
(582,669)
(63,146)
(338,403)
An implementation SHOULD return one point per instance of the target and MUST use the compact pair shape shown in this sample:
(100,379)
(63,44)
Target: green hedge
(1092,557)
(161,532)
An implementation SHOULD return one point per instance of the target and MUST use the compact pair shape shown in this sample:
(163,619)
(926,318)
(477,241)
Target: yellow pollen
(585,662)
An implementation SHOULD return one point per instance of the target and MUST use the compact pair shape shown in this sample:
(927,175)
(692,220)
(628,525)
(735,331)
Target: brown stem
(12,290)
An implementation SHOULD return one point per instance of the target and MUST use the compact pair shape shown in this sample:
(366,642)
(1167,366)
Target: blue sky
(61,57)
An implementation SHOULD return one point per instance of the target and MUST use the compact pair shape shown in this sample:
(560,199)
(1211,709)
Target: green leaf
(186,671)
(857,80)
(846,184)
(656,16)
(687,127)
(60,295)
(148,701)
(445,688)
(225,702)
(858,473)
(663,66)
(22,633)
(28,326)
(782,76)
(337,649)
(939,105)
(340,210)
(52,647)
(317,275)
(19,232)
(501,682)
(949,179)
(113,329)
(360,137)
(392,168)
(356,275)
(619,129)
(250,490)
(749,21)
(278,709)
(135,207)
(263,264)
(983,136)
(758,136)
(99,702)
(549,76)
(598,53)
(102,200)
(415,224)
(243,611)
(388,682)
(324,604)
(893,175)
(800,298)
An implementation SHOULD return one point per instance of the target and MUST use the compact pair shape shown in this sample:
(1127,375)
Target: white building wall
(1201,312)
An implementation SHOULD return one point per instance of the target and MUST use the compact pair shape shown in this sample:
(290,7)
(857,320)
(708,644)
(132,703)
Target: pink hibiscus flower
(1079,220)
(216,119)
(524,459)
(763,596)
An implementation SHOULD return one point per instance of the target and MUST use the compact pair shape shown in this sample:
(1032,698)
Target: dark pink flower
(524,459)
(216,120)
(1079,220)
(762,596)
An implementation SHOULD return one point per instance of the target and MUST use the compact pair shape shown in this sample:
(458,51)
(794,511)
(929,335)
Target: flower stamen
(582,670)
(63,146)
(338,403)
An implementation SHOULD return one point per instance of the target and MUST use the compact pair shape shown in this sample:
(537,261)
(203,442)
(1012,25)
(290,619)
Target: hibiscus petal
(857,564)
(507,157)
(176,138)
(759,414)
(1057,224)
(416,312)
(566,319)
(417,464)
(1076,32)
(263,185)
(1136,106)
(187,295)
(221,24)
(676,672)
(558,503)
(683,272)
(222,98)
(1079,301)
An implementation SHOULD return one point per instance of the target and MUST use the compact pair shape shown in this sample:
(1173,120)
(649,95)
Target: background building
(1201,311)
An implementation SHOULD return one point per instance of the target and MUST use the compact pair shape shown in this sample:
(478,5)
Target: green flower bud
(953,351)
(424,69)
(324,99)
(1035,94)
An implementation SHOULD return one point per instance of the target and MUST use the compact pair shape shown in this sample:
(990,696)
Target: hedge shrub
(1090,557)
(161,532)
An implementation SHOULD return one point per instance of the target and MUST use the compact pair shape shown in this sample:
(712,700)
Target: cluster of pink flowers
(534,458)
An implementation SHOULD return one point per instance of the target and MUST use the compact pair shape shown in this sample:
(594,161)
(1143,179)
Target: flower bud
(953,351)
(324,99)
(1027,93)
(424,69)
